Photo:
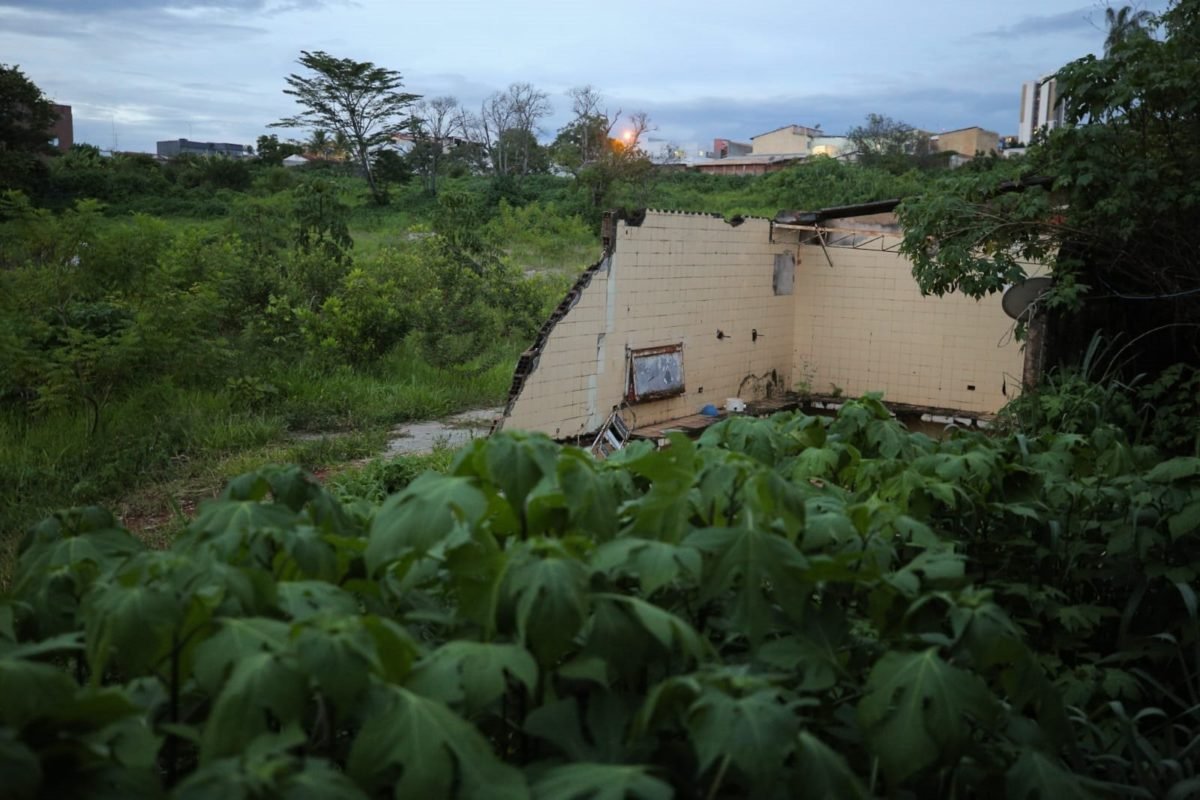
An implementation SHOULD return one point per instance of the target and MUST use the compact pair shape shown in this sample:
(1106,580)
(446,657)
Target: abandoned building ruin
(686,310)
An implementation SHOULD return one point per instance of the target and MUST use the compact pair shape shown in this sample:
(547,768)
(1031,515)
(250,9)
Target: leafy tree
(356,100)
(272,151)
(581,142)
(319,145)
(885,143)
(1118,212)
(1124,24)
(391,167)
(26,117)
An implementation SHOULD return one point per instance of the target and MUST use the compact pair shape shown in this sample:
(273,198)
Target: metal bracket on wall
(821,241)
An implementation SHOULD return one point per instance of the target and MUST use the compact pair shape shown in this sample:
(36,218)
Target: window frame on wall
(637,390)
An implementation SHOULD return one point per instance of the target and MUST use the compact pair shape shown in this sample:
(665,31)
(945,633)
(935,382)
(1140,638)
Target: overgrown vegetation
(1112,197)
(131,344)
(791,607)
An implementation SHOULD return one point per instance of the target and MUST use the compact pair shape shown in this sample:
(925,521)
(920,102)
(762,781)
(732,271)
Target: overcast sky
(136,71)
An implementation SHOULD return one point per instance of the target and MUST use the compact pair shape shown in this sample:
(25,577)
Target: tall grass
(194,439)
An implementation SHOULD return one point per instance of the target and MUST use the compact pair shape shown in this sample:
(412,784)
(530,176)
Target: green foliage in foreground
(791,607)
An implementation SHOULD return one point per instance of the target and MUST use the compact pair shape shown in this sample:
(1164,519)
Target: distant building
(743,165)
(179,147)
(724,148)
(788,140)
(295,160)
(1041,107)
(966,142)
(62,133)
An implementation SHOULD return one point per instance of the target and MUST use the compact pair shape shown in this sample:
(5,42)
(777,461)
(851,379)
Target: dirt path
(454,431)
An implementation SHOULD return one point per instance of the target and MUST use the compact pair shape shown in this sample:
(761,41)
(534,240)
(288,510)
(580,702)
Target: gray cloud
(1079,20)
(935,109)
(161,69)
(100,7)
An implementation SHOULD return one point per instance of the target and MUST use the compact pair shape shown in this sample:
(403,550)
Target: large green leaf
(655,564)
(670,631)
(29,690)
(1176,469)
(418,747)
(593,727)
(1035,776)
(135,623)
(422,517)
(549,601)
(760,569)
(518,462)
(20,768)
(917,711)
(822,773)
(584,781)
(236,639)
(474,674)
(265,691)
(755,732)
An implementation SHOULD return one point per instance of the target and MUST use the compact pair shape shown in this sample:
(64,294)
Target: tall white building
(1041,107)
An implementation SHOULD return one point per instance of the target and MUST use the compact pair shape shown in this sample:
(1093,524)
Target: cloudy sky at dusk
(136,71)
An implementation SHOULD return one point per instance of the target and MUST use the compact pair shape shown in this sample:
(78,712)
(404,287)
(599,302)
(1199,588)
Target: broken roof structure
(688,310)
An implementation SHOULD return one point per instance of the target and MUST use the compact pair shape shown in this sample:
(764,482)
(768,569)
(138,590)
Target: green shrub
(790,607)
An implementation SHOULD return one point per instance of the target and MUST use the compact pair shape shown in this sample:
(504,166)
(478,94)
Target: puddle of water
(455,431)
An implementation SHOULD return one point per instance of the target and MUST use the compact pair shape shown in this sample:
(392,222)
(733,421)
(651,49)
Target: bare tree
(585,103)
(507,126)
(436,123)
(639,126)
(586,138)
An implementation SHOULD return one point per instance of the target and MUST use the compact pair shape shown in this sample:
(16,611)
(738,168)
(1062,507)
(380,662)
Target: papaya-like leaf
(588,781)
(236,639)
(917,711)
(473,674)
(655,564)
(417,747)
(1036,776)
(421,517)
(594,727)
(756,732)
(549,600)
(822,773)
(518,462)
(761,569)
(266,691)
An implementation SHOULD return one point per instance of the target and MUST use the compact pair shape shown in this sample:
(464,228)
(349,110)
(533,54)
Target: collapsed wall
(668,280)
(862,325)
(686,310)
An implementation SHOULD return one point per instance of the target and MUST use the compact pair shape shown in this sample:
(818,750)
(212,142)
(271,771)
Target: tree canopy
(26,117)
(355,99)
(1119,216)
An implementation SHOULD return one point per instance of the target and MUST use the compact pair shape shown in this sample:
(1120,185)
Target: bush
(790,607)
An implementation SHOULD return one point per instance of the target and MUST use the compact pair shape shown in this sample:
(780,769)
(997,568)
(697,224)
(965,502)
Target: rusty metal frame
(631,394)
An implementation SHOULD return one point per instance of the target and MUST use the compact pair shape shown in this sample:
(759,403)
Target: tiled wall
(675,278)
(862,325)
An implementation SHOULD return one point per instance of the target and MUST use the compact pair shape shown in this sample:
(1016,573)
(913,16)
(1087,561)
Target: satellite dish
(1018,300)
